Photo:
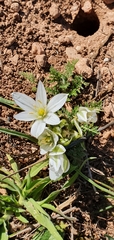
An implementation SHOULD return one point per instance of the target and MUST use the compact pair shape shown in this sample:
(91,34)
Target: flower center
(41,112)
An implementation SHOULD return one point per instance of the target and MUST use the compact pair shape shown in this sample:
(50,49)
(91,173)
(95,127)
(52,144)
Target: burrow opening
(86,24)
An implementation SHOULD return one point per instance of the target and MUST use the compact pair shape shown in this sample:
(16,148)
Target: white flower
(85,115)
(47,141)
(58,162)
(38,109)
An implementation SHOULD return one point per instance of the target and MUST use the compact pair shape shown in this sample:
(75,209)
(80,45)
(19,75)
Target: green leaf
(9,183)
(22,219)
(15,169)
(3,232)
(18,134)
(37,167)
(41,216)
(36,187)
(9,103)
(96,185)
(51,197)
(43,235)
(109,237)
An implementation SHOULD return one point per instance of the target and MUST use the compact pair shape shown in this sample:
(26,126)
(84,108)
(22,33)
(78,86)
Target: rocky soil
(36,35)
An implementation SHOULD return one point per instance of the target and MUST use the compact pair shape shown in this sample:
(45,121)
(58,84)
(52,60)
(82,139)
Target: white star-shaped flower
(86,115)
(39,110)
(47,141)
(58,162)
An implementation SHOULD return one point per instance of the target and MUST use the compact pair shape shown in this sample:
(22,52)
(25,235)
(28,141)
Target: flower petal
(52,119)
(42,151)
(23,101)
(57,102)
(41,94)
(55,175)
(58,150)
(65,164)
(25,116)
(92,117)
(47,140)
(82,116)
(37,128)
(84,109)
(55,163)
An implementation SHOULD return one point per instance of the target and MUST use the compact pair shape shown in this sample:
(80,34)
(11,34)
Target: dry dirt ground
(37,34)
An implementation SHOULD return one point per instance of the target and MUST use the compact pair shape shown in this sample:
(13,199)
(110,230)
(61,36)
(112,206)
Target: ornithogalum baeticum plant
(58,162)
(39,110)
(86,115)
(53,132)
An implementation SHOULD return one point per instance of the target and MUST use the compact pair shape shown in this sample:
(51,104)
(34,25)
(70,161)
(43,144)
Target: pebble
(75,9)
(106,134)
(15,7)
(54,11)
(41,60)
(7,70)
(37,49)
(82,68)
(11,41)
(87,7)
(14,59)
(106,60)
(72,53)
(78,49)
(65,39)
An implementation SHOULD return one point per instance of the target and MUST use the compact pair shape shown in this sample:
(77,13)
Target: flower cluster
(52,133)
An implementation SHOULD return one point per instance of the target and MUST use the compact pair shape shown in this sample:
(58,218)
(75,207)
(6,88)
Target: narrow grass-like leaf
(15,169)
(38,167)
(105,185)
(18,134)
(75,176)
(96,185)
(9,103)
(109,237)
(36,187)
(9,184)
(22,219)
(51,197)
(31,207)
(3,232)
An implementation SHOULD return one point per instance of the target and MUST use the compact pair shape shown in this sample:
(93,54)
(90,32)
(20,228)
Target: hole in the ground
(85,23)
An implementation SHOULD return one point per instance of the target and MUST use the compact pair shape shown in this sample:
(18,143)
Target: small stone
(14,59)
(82,68)
(54,11)
(112,133)
(72,53)
(41,60)
(7,2)
(11,41)
(65,39)
(106,60)
(87,7)
(78,49)
(15,7)
(7,70)
(37,49)
(106,134)
(75,9)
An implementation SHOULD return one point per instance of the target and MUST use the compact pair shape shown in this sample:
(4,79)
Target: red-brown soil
(36,35)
